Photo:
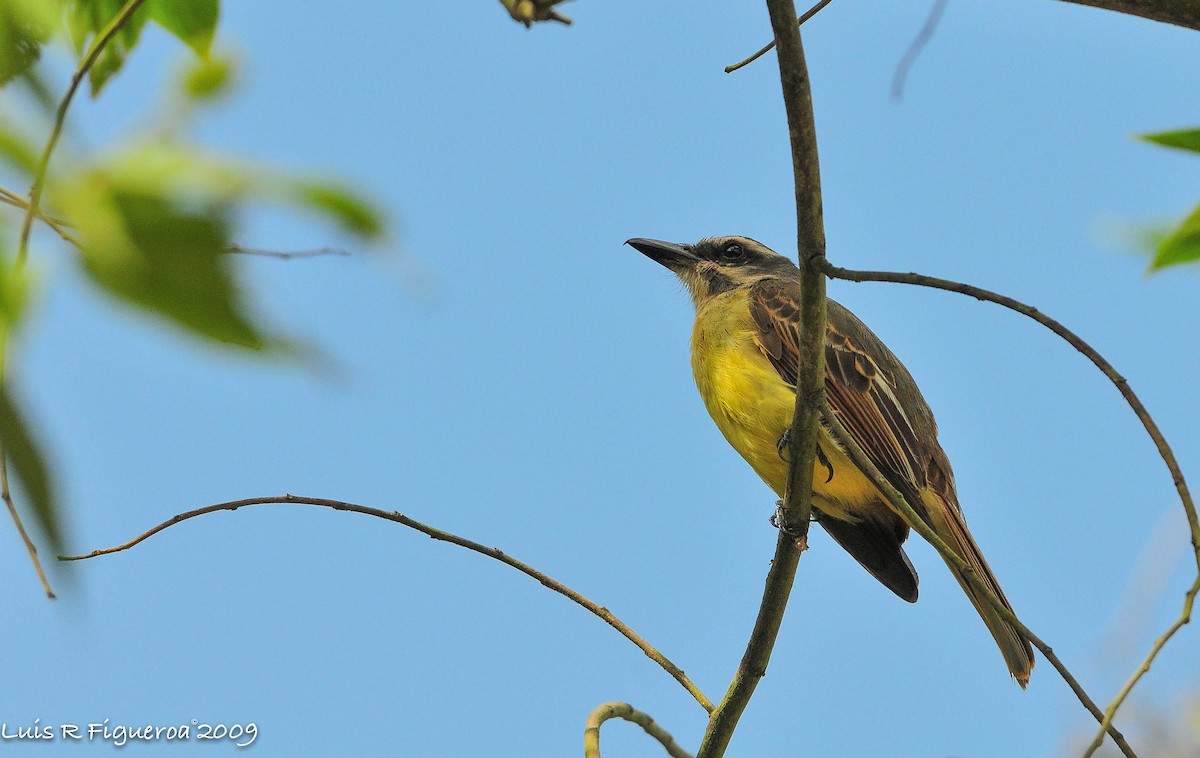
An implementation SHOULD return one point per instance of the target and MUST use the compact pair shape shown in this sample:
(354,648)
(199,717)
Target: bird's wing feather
(860,392)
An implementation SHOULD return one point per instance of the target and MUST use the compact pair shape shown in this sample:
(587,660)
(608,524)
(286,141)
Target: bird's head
(716,264)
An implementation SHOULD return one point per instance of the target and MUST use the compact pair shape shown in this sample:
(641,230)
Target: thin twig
(11,198)
(285,255)
(767,48)
(60,117)
(796,510)
(436,534)
(916,47)
(1189,600)
(897,501)
(6,494)
(1135,403)
(606,711)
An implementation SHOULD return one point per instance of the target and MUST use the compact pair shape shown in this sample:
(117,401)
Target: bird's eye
(732,252)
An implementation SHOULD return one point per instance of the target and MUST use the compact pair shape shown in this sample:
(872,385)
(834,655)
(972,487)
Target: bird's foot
(777,518)
(784,443)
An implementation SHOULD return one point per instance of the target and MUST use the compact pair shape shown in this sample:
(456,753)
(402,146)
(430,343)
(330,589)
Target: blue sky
(508,371)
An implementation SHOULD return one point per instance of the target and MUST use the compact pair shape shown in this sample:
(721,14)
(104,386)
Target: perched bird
(744,356)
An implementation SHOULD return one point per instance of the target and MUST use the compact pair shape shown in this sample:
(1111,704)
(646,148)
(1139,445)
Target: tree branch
(60,117)
(796,509)
(1185,13)
(606,711)
(767,47)
(11,198)
(436,534)
(917,524)
(1135,403)
(6,495)
(1106,368)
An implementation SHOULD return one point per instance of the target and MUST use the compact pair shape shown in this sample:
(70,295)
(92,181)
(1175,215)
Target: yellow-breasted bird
(744,355)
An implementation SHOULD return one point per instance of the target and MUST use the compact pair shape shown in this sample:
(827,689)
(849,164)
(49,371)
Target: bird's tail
(948,522)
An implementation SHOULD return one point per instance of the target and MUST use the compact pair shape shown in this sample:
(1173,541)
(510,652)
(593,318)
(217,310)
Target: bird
(744,352)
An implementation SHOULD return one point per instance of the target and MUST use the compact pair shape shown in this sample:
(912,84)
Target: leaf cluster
(150,221)
(1181,243)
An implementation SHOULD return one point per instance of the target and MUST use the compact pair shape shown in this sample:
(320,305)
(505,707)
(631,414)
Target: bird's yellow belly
(753,407)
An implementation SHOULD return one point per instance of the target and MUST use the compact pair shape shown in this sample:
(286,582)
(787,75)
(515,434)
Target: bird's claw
(785,442)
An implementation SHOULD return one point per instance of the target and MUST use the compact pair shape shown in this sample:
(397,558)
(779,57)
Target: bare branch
(6,495)
(436,534)
(897,501)
(58,225)
(606,711)
(767,47)
(1184,13)
(1135,403)
(796,510)
(1122,385)
(1189,601)
(285,255)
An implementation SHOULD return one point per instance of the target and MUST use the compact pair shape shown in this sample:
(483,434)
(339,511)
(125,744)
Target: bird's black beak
(669,254)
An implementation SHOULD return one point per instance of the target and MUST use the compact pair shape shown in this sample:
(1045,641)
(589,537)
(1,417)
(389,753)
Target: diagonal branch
(795,512)
(607,711)
(1184,13)
(897,501)
(436,534)
(1122,385)
(60,117)
(770,45)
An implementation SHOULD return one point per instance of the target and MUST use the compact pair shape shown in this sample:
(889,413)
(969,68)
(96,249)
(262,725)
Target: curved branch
(1122,385)
(897,501)
(606,711)
(436,534)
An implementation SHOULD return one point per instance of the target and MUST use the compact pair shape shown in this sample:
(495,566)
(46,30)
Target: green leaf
(342,205)
(25,25)
(1181,245)
(193,21)
(207,78)
(30,469)
(16,150)
(1184,139)
(86,19)
(15,288)
(163,252)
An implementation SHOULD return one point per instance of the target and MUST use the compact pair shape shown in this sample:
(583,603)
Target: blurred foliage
(1164,732)
(194,22)
(1180,244)
(529,11)
(151,220)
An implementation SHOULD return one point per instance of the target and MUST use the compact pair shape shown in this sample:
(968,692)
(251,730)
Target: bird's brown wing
(865,400)
(861,392)
(876,400)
